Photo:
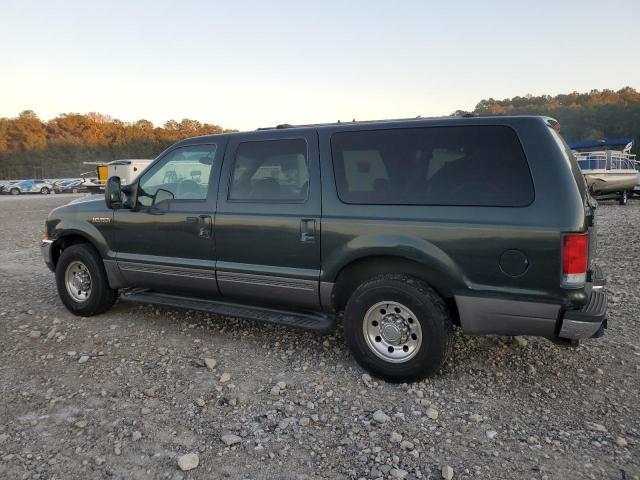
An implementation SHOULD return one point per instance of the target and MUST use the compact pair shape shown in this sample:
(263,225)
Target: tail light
(575,255)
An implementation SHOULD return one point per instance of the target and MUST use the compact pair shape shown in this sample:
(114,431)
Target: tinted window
(183,174)
(575,169)
(471,165)
(272,170)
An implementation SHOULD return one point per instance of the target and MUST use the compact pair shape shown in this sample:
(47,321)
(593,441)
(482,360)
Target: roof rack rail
(281,126)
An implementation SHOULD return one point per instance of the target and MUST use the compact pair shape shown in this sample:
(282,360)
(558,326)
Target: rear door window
(467,165)
(270,171)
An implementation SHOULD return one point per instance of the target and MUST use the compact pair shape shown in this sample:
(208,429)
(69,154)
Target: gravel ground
(128,393)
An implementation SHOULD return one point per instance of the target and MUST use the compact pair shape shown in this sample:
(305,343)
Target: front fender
(73,221)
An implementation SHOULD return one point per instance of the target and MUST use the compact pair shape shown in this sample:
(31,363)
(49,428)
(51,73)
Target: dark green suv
(406,227)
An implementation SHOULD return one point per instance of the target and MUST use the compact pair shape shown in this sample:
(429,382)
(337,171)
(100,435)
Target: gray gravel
(128,394)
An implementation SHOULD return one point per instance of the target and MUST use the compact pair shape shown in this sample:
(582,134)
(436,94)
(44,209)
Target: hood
(87,198)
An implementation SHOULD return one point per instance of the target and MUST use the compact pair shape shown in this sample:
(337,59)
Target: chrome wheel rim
(392,332)
(77,279)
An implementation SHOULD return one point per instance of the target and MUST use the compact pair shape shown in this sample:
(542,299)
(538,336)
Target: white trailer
(127,169)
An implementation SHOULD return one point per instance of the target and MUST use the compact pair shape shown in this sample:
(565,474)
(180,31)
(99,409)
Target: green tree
(594,115)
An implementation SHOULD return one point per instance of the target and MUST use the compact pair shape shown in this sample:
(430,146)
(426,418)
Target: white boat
(608,166)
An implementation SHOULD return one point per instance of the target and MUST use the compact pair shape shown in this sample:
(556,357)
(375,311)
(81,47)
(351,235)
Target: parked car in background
(75,185)
(29,186)
(4,184)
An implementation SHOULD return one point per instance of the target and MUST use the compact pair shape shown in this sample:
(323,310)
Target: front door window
(183,174)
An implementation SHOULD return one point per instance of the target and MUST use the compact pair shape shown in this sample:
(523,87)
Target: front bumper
(45,249)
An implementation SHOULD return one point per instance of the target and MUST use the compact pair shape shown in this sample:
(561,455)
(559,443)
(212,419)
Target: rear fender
(439,269)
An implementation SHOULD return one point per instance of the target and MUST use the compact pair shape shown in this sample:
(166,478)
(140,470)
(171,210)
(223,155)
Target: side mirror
(113,193)
(130,192)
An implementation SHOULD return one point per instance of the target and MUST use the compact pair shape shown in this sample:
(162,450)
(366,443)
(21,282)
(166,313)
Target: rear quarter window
(573,163)
(458,165)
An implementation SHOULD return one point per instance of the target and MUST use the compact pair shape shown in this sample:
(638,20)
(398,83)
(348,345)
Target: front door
(166,242)
(268,219)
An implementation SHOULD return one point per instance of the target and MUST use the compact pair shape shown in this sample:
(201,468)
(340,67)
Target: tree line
(583,116)
(56,148)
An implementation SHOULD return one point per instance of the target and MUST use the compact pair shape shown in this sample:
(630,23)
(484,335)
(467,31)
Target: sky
(247,64)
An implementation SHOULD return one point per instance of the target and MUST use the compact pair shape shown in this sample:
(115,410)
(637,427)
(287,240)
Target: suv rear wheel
(82,281)
(398,328)
(14,191)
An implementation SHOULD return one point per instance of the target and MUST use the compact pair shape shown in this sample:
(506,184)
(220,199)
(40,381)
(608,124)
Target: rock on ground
(381,417)
(188,461)
(230,440)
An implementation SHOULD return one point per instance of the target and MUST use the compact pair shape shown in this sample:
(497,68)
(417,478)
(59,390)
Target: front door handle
(307,230)
(205,226)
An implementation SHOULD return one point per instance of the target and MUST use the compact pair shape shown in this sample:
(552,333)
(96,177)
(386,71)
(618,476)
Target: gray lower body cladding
(483,315)
(478,315)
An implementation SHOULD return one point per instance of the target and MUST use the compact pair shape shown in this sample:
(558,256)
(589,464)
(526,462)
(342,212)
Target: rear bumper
(591,319)
(483,315)
(45,249)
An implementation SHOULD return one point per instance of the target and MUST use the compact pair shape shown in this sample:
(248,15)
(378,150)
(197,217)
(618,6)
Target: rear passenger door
(267,225)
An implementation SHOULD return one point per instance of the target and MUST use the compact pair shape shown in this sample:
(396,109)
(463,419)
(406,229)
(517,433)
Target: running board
(306,320)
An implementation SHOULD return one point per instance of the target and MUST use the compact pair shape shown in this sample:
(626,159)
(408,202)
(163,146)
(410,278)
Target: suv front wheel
(398,328)
(82,281)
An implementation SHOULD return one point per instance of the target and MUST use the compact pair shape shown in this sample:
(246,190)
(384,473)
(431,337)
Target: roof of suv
(394,123)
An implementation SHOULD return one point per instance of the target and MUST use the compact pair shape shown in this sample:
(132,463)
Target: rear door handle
(307,230)
(205,226)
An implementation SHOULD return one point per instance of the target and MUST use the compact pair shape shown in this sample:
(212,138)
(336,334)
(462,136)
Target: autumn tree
(60,146)
(26,132)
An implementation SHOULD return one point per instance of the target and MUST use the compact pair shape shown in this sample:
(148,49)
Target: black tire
(44,191)
(102,297)
(14,191)
(624,198)
(431,312)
